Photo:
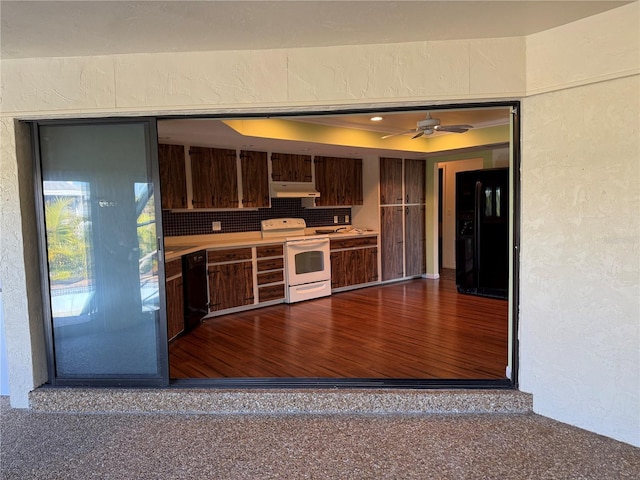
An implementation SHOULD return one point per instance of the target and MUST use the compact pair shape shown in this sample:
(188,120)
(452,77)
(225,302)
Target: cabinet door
(390,181)
(173,180)
(230,285)
(339,181)
(354,195)
(415,240)
(214,177)
(255,179)
(326,183)
(391,242)
(290,168)
(175,307)
(339,268)
(414,181)
(370,262)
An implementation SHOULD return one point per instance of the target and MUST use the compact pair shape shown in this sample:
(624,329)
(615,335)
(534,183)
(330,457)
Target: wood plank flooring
(419,329)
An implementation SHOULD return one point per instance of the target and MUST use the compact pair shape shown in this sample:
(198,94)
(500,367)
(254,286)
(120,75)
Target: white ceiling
(215,133)
(79,28)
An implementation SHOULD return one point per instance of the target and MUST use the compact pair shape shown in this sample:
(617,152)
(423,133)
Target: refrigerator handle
(477,214)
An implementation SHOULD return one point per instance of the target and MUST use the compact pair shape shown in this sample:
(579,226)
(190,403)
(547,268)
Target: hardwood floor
(420,329)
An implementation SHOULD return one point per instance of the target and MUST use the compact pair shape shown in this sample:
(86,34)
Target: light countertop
(176,247)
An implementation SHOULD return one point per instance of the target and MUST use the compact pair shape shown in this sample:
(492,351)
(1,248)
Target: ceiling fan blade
(419,134)
(453,128)
(397,134)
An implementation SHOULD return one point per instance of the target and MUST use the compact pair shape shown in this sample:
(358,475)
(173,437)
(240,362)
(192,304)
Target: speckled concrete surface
(283,401)
(38,445)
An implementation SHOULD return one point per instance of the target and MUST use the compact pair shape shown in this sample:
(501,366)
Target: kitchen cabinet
(255,179)
(173,179)
(392,242)
(354,261)
(214,178)
(414,181)
(390,181)
(339,181)
(415,238)
(175,298)
(402,226)
(290,168)
(230,278)
(270,275)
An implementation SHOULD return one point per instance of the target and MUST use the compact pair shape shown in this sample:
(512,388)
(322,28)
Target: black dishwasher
(194,268)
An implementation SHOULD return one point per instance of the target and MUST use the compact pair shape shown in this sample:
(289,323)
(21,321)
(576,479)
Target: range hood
(293,190)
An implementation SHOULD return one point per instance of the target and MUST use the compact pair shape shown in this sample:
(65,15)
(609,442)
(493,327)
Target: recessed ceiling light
(376,119)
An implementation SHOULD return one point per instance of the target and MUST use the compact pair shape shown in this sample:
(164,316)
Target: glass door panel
(100,224)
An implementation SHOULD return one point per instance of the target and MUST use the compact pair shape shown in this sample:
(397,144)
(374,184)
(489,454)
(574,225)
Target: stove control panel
(283,227)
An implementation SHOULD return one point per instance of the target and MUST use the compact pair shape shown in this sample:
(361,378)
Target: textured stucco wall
(19,265)
(207,81)
(580,256)
(580,251)
(593,292)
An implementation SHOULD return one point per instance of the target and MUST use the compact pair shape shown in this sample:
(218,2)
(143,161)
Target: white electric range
(307,260)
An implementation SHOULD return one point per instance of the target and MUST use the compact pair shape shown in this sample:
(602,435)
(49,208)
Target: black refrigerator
(482,232)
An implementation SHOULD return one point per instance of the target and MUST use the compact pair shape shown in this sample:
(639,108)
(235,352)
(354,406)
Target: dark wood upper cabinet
(390,181)
(287,167)
(414,180)
(339,181)
(214,177)
(255,179)
(173,180)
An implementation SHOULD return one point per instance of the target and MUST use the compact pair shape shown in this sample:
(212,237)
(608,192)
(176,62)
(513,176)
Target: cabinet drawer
(270,277)
(339,243)
(229,255)
(270,264)
(269,251)
(272,292)
(173,268)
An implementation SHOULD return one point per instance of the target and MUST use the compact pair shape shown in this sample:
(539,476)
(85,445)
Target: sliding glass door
(101,228)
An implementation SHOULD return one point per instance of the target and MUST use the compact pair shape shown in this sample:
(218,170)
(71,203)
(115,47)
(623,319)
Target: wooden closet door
(391,239)
(414,181)
(390,181)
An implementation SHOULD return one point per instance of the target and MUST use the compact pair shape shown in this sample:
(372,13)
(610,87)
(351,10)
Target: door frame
(162,379)
(506,383)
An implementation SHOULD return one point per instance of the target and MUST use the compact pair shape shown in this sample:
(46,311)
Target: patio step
(278,402)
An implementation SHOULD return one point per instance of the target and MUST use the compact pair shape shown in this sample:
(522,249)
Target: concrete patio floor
(45,445)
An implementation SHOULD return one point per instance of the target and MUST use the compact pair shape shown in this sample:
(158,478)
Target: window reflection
(68,228)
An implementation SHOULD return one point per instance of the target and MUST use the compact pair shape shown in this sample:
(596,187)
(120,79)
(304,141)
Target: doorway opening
(331,340)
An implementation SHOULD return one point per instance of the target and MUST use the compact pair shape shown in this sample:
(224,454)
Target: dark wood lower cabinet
(230,285)
(355,264)
(175,307)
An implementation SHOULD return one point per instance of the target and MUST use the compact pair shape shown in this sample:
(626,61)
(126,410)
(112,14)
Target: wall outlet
(216,226)
(335,219)
(346,219)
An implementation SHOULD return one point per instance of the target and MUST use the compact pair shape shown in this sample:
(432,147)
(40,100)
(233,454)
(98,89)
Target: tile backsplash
(195,222)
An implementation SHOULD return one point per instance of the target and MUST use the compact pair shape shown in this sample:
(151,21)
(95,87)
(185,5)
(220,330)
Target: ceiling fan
(430,125)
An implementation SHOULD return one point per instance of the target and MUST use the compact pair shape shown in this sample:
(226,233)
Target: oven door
(307,261)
